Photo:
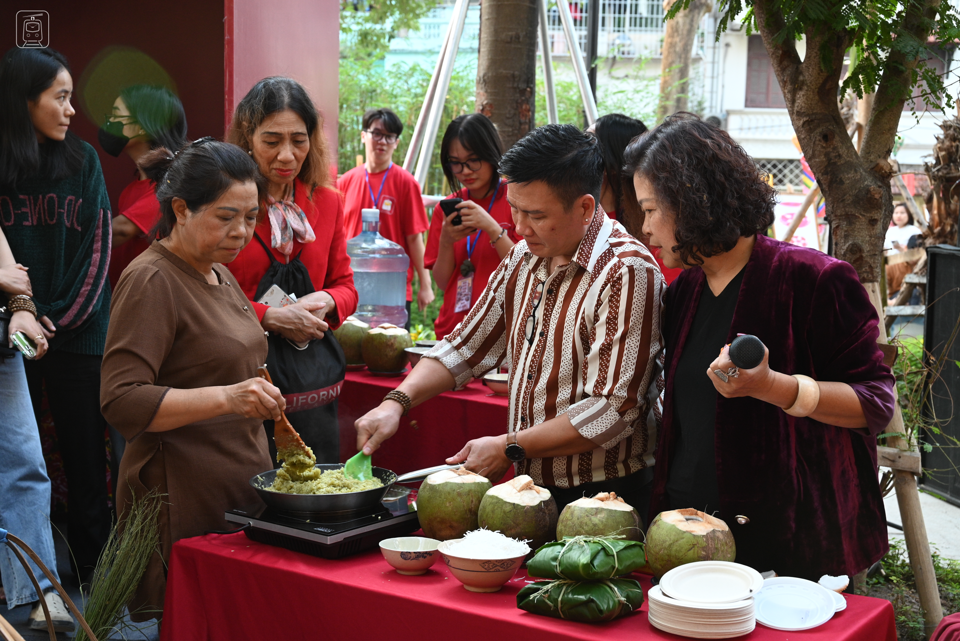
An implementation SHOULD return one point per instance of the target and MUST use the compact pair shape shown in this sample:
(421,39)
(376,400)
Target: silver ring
(733,372)
(723,377)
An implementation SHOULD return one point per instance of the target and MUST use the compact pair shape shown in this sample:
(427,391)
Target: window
(763,90)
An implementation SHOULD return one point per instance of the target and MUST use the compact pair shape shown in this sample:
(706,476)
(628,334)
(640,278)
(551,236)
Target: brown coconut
(521,510)
(605,514)
(448,503)
(683,536)
(383,346)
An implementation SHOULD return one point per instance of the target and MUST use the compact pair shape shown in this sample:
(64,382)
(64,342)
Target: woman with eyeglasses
(466,246)
(143,118)
(56,215)
(183,387)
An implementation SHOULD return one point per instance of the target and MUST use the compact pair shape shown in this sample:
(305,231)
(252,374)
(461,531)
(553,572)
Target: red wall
(295,38)
(184,37)
(189,38)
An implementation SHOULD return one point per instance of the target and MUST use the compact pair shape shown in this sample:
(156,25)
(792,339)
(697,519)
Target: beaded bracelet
(493,243)
(21,303)
(808,397)
(399,397)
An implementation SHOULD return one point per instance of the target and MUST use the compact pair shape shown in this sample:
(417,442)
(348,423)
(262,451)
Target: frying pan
(332,504)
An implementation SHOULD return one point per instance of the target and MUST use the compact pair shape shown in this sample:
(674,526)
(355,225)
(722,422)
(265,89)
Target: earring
(250,152)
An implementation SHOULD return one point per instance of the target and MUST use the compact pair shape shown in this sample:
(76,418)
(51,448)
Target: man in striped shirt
(574,309)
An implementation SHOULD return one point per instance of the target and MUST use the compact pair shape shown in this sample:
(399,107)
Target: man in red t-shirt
(379,184)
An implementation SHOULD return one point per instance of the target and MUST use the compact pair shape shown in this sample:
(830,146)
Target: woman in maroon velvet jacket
(788,463)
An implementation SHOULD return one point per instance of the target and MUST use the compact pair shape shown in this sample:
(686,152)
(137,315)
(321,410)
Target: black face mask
(111,138)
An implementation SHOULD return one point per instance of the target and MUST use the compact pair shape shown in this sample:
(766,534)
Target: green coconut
(350,335)
(603,515)
(382,348)
(521,510)
(683,536)
(448,503)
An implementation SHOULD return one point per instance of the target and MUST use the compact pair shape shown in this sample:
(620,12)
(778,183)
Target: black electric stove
(326,536)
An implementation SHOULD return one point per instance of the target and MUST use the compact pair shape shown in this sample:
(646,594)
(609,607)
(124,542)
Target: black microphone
(746,351)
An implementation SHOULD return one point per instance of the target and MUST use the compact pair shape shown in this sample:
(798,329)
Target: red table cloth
(228,587)
(430,432)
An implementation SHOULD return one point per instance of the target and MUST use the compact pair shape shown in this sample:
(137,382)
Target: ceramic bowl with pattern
(481,575)
(410,555)
(498,383)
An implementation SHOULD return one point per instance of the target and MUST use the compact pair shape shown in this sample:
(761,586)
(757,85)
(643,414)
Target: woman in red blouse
(462,257)
(300,245)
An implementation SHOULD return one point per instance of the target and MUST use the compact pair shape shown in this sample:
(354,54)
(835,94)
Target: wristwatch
(514,451)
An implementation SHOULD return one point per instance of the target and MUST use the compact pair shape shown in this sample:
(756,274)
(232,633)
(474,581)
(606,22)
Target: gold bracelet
(808,397)
(493,243)
(21,303)
(399,397)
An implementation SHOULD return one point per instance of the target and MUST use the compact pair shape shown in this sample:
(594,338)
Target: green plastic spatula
(358,467)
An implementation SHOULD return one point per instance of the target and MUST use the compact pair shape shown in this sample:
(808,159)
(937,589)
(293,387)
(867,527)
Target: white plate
(839,602)
(791,604)
(711,582)
(656,594)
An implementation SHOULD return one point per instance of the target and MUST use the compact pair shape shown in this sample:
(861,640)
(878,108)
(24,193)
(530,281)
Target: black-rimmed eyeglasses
(380,136)
(532,319)
(457,167)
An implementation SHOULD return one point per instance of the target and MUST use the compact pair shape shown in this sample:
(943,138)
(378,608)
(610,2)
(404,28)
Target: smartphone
(448,206)
(275,297)
(25,345)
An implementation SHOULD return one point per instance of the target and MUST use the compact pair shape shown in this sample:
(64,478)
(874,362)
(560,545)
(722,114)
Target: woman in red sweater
(462,257)
(300,246)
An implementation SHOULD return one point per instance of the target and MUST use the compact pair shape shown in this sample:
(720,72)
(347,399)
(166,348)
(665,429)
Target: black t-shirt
(692,481)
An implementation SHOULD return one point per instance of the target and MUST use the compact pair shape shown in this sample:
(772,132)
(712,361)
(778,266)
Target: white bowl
(411,555)
(498,383)
(414,354)
(481,575)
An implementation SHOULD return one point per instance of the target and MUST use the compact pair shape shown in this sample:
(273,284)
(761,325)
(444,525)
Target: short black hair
(566,159)
(390,121)
(199,173)
(477,134)
(159,112)
(706,182)
(24,75)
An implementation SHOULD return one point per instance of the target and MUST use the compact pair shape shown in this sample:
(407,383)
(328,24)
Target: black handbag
(310,378)
(5,316)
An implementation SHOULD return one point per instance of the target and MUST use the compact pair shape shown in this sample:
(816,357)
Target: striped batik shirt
(594,350)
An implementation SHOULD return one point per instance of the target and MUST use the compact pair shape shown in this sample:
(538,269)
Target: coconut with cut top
(677,537)
(350,336)
(448,503)
(521,510)
(605,514)
(383,346)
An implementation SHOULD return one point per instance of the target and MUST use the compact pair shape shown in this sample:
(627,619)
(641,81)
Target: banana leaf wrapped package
(584,601)
(587,558)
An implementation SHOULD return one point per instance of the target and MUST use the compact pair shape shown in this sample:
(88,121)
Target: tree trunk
(507,69)
(855,186)
(675,64)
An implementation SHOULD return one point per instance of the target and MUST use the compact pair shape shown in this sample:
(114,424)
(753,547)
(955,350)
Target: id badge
(464,293)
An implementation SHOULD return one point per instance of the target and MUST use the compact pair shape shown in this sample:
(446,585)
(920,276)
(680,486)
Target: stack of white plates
(788,603)
(705,600)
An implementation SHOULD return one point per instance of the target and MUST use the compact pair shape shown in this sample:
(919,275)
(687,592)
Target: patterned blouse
(584,341)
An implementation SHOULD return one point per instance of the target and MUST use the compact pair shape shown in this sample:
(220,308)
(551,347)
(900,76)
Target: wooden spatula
(287,440)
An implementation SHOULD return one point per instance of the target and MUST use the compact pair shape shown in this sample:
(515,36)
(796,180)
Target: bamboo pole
(908,499)
(545,56)
(800,214)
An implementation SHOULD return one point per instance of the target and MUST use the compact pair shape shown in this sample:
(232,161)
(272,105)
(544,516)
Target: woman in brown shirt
(179,371)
